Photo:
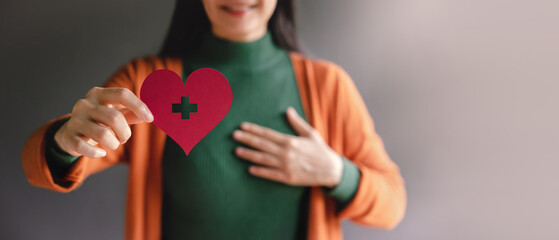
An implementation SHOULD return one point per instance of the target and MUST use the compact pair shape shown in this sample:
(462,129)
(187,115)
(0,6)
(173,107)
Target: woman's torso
(210,194)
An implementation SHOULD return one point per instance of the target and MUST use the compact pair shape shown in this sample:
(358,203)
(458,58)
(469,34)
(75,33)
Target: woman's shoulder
(319,67)
(138,68)
(324,73)
(316,63)
(149,63)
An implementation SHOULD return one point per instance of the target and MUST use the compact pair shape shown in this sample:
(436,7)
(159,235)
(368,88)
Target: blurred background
(464,93)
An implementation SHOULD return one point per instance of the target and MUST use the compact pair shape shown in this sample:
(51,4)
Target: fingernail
(237,134)
(101,153)
(245,125)
(291,111)
(147,115)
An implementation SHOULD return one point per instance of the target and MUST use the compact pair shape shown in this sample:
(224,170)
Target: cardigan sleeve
(36,166)
(58,161)
(380,199)
(346,188)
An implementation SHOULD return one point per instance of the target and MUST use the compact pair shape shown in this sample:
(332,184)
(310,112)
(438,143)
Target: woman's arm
(60,172)
(380,199)
(58,161)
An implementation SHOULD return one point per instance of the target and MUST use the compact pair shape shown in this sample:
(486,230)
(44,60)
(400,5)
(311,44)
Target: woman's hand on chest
(304,160)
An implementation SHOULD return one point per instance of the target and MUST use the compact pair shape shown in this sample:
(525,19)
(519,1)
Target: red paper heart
(187,112)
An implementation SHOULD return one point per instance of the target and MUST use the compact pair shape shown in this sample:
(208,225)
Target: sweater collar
(218,50)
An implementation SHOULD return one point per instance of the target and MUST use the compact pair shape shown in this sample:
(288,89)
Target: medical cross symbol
(185,108)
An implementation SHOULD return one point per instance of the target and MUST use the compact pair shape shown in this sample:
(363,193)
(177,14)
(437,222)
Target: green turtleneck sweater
(210,194)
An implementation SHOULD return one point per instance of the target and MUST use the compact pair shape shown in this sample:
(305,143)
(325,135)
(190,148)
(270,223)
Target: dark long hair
(190,21)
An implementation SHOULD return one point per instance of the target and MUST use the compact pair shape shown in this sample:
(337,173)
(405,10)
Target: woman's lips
(238,10)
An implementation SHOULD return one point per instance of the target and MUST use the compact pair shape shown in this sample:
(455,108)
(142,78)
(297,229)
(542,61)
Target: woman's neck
(217,50)
(239,37)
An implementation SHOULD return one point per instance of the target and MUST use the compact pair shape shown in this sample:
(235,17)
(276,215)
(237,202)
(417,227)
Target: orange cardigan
(333,107)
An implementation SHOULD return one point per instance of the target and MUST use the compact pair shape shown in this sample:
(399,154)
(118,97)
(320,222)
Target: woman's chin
(241,33)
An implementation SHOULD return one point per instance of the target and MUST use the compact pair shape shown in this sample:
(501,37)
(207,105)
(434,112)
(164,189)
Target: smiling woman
(296,154)
(239,20)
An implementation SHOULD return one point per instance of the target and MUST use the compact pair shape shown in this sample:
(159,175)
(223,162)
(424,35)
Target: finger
(257,157)
(256,142)
(102,135)
(130,117)
(114,120)
(91,142)
(265,132)
(124,97)
(268,173)
(81,147)
(298,123)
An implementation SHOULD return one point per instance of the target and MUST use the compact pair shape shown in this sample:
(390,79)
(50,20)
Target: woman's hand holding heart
(304,160)
(101,118)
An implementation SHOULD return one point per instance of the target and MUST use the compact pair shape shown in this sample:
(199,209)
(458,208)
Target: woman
(257,174)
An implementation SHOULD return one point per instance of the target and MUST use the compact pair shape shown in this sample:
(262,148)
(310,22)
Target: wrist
(336,172)
(348,184)
(58,137)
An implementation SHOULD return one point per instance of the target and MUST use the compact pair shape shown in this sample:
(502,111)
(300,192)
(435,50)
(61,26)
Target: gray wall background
(464,94)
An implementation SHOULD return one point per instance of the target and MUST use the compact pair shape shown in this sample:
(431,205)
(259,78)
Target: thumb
(131,117)
(299,124)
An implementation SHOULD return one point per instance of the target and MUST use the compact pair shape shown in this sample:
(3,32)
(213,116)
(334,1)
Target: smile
(238,10)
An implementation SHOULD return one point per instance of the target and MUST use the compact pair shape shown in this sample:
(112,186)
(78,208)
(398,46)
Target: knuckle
(102,133)
(73,123)
(266,132)
(113,117)
(93,91)
(253,140)
(265,159)
(291,143)
(290,165)
(268,158)
(256,156)
(82,102)
(77,145)
(270,146)
(290,156)
(122,92)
